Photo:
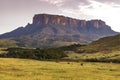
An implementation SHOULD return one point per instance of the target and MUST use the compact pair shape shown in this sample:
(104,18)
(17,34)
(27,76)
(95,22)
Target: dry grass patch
(23,69)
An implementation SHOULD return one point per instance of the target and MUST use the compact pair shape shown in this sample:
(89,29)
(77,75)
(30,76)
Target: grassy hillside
(28,43)
(22,69)
(103,50)
(8,43)
(104,45)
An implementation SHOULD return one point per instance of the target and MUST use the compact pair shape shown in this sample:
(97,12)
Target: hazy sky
(16,13)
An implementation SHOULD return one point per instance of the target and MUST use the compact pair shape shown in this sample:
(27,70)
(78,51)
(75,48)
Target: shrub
(39,54)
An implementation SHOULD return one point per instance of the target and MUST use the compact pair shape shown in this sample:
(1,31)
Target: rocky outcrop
(45,19)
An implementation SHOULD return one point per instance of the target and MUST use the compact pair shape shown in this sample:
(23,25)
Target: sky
(17,13)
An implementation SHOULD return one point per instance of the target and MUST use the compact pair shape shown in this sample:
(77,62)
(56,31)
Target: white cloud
(109,1)
(53,1)
(109,13)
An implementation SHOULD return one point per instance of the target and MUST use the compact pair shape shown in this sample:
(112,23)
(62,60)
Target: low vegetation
(8,43)
(113,57)
(39,54)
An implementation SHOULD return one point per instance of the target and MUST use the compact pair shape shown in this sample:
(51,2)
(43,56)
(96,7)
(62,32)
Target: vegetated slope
(103,50)
(8,43)
(54,30)
(20,69)
(106,44)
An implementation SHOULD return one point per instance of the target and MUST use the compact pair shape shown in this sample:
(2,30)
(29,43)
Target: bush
(39,54)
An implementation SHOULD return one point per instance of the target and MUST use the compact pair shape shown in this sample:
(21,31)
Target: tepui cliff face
(49,30)
(44,19)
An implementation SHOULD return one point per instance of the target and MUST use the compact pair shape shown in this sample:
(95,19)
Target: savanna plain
(28,69)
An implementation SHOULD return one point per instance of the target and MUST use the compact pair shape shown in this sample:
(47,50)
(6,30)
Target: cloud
(69,4)
(53,1)
(74,4)
(107,12)
(27,6)
(109,1)
(69,8)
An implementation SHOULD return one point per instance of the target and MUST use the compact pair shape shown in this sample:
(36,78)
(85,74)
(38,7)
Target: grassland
(25,69)
(110,57)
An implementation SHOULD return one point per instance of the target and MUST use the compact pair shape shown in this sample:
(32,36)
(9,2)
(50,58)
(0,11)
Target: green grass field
(25,69)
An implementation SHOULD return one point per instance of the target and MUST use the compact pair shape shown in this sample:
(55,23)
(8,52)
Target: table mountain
(55,30)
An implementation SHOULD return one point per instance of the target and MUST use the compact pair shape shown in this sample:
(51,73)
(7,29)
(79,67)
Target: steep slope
(54,30)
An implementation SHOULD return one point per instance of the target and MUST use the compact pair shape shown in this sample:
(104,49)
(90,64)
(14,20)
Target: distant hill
(106,44)
(54,30)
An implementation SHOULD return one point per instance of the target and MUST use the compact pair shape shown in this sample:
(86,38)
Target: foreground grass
(23,69)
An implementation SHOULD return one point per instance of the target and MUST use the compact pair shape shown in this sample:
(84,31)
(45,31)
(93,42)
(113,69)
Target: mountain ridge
(49,29)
